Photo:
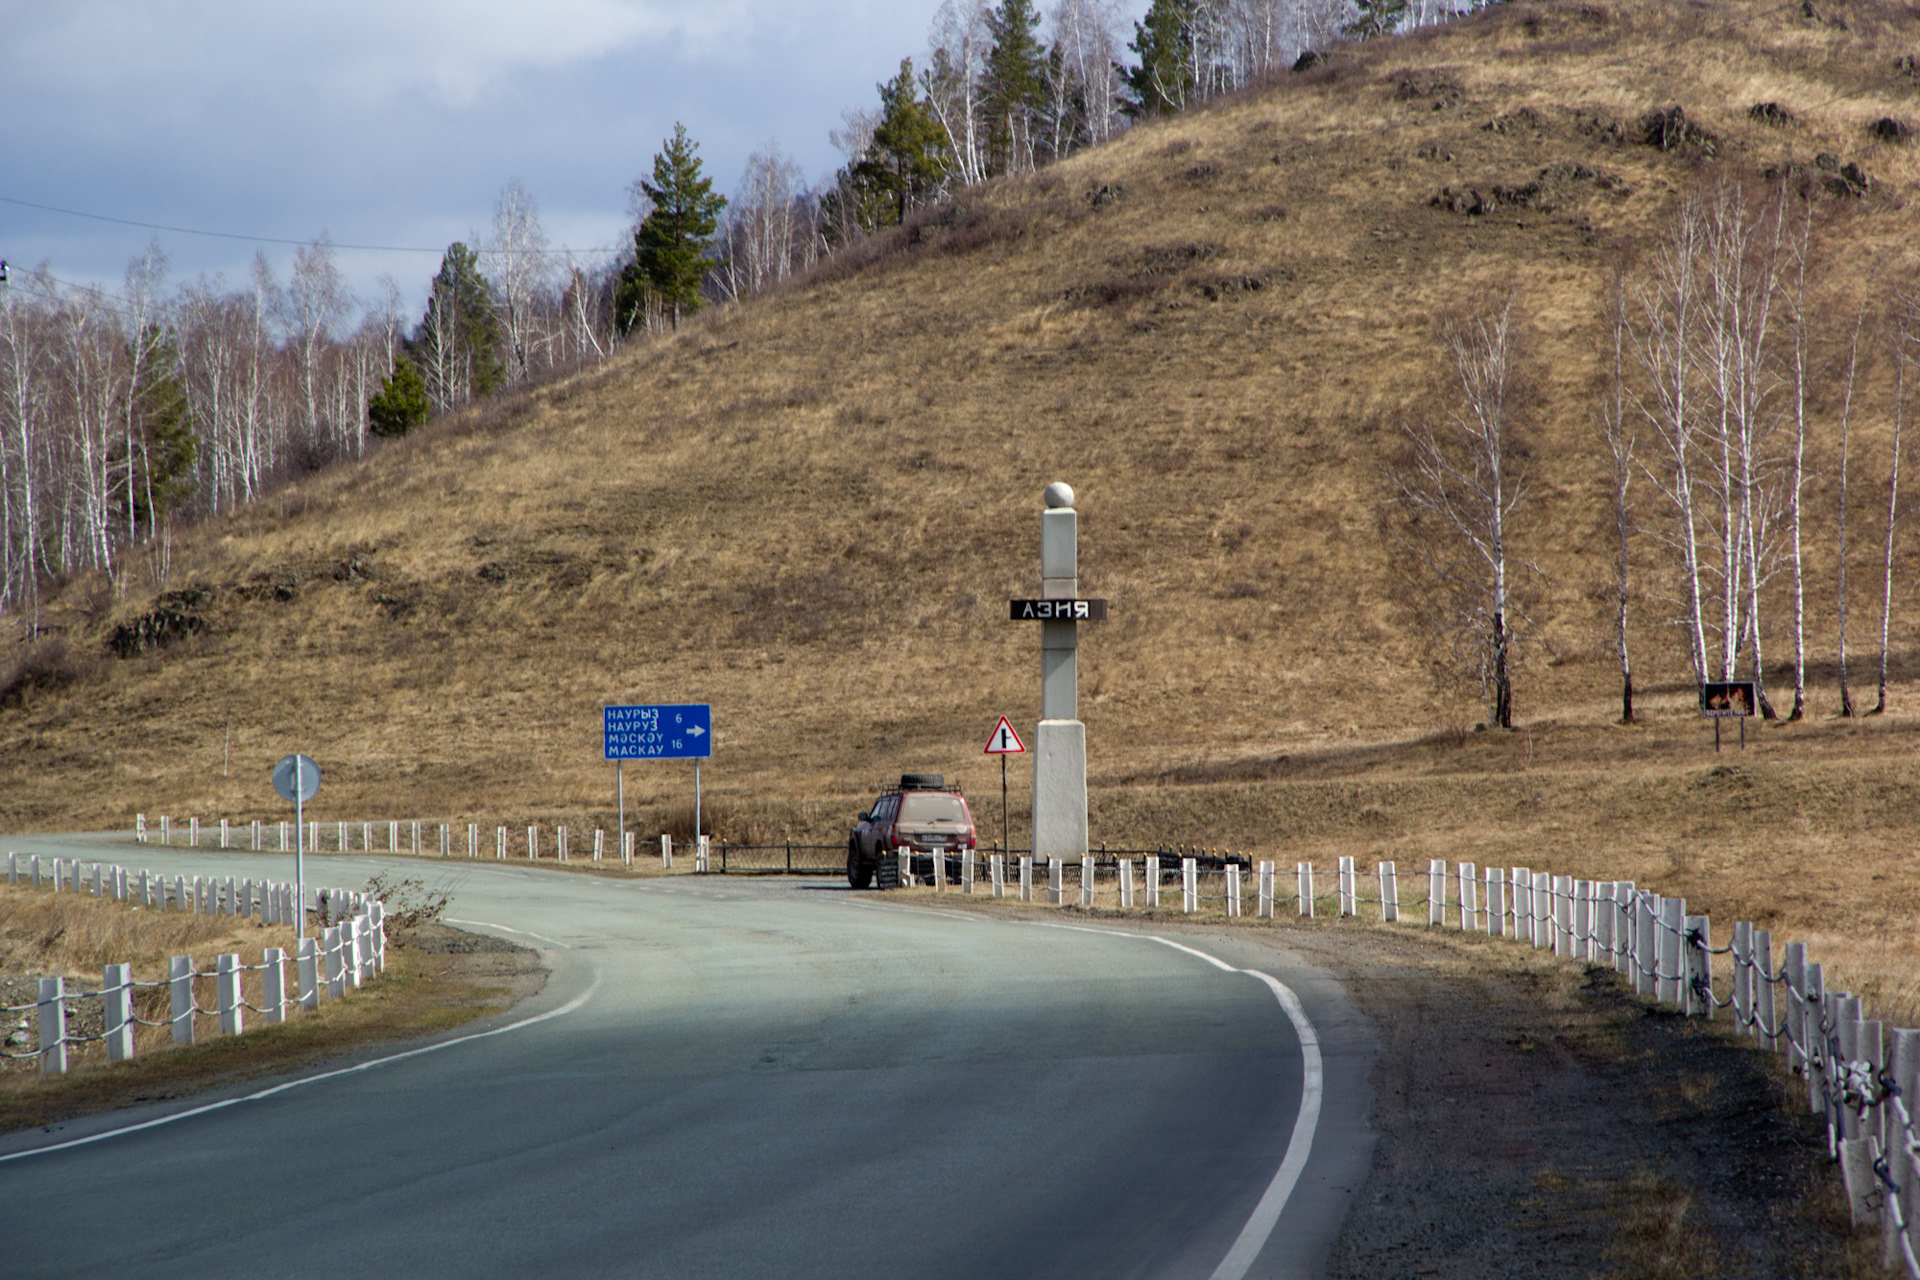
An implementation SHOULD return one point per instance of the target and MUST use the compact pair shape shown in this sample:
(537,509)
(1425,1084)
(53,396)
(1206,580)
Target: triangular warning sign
(1004,742)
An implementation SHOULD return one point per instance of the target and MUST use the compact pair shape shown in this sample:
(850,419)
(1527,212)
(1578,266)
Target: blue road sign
(683,732)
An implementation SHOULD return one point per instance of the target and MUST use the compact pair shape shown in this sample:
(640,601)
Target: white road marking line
(566,1008)
(488,924)
(1254,1235)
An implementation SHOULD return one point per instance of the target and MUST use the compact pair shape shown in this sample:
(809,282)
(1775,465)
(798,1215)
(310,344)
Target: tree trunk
(1893,516)
(1502,681)
(1846,424)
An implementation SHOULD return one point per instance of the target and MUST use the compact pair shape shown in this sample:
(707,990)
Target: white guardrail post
(1054,876)
(309,973)
(966,871)
(1233,890)
(1026,877)
(232,1022)
(336,963)
(273,985)
(1304,872)
(180,997)
(116,998)
(1125,868)
(1389,893)
(1086,881)
(997,875)
(1348,895)
(1189,886)
(1265,905)
(1152,882)
(53,1026)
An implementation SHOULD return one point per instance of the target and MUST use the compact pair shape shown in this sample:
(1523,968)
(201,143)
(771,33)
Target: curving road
(750,1078)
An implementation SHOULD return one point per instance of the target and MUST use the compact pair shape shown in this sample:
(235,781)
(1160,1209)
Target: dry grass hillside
(809,510)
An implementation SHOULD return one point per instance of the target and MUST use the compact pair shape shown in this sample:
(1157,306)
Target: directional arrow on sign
(1004,742)
(696,731)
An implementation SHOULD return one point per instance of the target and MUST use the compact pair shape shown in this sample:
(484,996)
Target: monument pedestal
(1059,790)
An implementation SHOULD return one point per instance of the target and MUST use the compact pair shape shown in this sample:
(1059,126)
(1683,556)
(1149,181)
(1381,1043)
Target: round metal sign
(297,778)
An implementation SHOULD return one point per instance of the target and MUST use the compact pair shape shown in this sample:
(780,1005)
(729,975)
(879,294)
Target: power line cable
(230,235)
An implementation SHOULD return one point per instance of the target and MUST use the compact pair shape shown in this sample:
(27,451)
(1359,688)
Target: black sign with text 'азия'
(1056,610)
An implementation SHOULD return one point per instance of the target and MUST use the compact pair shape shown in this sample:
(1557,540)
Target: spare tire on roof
(921,782)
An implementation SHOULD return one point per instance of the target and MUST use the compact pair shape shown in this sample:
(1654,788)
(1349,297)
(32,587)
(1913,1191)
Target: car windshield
(932,808)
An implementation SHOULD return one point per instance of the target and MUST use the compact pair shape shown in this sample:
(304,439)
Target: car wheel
(859,870)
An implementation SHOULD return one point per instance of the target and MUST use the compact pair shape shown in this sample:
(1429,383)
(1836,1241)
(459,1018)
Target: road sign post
(669,731)
(1004,742)
(1060,739)
(297,778)
(1728,700)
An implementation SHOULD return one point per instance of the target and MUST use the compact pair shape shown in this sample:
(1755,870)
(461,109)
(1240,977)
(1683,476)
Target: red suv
(923,817)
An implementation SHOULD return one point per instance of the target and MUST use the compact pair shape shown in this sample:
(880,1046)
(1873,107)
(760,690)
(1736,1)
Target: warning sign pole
(1004,742)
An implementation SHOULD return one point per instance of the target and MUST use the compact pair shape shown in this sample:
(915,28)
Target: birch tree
(25,389)
(1802,251)
(145,340)
(516,258)
(1617,434)
(1458,489)
(959,41)
(1663,304)
(1893,504)
(317,301)
(1846,432)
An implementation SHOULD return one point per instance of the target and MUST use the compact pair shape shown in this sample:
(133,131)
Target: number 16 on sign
(1004,742)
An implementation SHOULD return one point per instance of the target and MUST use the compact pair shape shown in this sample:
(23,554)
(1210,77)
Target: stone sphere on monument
(1059,494)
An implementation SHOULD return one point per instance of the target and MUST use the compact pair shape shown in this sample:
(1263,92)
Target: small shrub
(48,666)
(410,903)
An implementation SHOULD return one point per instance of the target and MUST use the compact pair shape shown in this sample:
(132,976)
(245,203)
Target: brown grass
(807,510)
(43,933)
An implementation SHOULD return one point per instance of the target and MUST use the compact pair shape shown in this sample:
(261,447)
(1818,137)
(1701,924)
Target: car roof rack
(921,782)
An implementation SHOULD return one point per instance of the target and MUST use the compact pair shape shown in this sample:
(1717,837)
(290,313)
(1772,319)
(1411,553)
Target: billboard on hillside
(1727,699)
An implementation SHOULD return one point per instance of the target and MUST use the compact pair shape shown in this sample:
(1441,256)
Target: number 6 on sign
(1004,742)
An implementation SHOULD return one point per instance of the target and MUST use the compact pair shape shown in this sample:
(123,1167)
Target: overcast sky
(396,122)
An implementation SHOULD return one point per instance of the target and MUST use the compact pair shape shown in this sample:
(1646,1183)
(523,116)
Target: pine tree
(905,164)
(401,404)
(457,346)
(1377,18)
(168,446)
(1160,85)
(1014,84)
(671,247)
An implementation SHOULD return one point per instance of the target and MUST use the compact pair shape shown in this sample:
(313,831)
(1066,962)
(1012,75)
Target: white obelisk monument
(1060,741)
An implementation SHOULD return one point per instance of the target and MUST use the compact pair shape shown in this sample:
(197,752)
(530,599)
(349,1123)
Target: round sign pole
(299,863)
(297,778)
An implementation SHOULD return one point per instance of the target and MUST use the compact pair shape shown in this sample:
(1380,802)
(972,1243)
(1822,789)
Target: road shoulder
(439,978)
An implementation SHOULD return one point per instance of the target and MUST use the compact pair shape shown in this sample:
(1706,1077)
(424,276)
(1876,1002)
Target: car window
(932,808)
(883,808)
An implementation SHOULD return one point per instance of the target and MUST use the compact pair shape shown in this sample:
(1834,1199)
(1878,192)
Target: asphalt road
(767,1078)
